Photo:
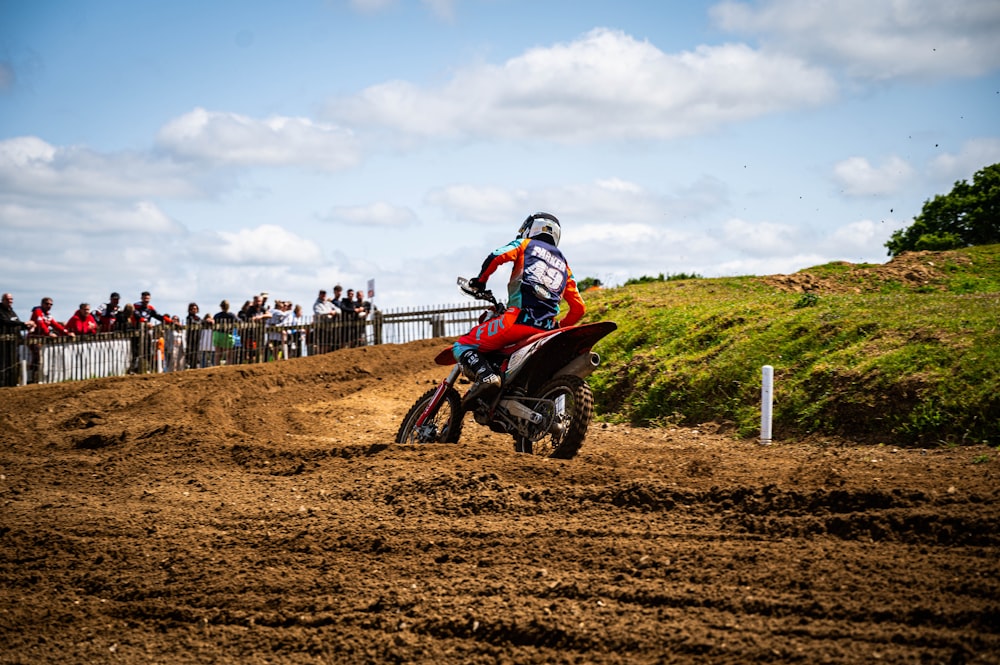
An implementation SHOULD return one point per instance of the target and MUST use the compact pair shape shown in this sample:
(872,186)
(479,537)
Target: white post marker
(766,400)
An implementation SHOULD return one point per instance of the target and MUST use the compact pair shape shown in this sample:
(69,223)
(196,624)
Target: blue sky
(209,150)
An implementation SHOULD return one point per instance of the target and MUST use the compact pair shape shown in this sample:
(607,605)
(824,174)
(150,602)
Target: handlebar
(483,294)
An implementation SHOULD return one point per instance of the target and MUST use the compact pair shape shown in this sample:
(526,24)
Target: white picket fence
(162,348)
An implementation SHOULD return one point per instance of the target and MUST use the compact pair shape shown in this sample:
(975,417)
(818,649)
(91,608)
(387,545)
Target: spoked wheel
(574,408)
(442,426)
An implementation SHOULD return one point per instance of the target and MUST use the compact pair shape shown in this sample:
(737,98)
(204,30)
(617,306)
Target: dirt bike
(544,401)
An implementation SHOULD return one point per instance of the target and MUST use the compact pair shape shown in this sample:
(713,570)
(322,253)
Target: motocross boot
(486,382)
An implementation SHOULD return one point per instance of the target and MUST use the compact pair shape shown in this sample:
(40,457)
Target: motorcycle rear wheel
(579,410)
(442,426)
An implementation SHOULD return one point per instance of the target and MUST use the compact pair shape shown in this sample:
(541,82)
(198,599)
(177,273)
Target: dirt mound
(910,270)
(263,515)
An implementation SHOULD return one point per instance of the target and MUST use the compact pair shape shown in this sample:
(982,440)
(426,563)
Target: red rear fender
(446,357)
(582,335)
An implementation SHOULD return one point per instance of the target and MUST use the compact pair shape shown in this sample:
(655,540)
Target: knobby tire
(442,426)
(579,413)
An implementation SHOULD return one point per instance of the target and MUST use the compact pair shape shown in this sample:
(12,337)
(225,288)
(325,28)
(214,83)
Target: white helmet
(541,224)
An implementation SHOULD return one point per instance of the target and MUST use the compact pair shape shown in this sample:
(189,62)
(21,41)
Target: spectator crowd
(258,331)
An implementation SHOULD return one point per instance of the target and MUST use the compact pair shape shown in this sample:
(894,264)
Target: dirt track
(261,515)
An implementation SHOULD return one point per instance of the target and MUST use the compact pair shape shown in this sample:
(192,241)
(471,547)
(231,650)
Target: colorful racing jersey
(539,280)
(144,313)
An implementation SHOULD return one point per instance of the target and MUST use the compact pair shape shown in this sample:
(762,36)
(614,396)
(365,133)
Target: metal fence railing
(174,347)
(407,325)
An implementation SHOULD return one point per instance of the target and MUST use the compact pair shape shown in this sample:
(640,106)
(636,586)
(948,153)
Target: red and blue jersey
(539,280)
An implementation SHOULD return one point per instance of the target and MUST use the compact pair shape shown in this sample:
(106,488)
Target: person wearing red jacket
(539,281)
(46,324)
(82,322)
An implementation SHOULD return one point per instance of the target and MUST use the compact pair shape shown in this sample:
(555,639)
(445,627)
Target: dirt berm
(263,515)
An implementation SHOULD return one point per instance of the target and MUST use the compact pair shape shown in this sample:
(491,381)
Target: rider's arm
(577,308)
(505,254)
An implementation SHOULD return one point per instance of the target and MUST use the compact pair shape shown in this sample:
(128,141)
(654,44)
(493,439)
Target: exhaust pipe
(583,365)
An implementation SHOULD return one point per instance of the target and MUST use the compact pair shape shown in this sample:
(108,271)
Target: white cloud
(616,251)
(856,237)
(379,214)
(610,199)
(614,229)
(480,204)
(876,40)
(857,177)
(614,199)
(604,85)
(265,245)
(626,236)
(974,156)
(603,200)
(765,265)
(761,238)
(230,138)
(30,166)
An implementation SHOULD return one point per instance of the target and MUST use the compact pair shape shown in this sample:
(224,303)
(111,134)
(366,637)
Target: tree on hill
(968,215)
(588,283)
(646,279)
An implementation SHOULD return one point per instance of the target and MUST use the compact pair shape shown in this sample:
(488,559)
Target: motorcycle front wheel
(569,427)
(444,425)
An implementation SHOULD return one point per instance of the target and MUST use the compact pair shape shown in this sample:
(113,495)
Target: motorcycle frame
(435,402)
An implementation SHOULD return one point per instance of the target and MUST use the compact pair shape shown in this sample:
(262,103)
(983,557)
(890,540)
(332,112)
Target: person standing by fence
(225,325)
(144,311)
(144,315)
(82,322)
(206,343)
(194,326)
(45,326)
(125,322)
(174,337)
(325,315)
(107,315)
(11,328)
(298,337)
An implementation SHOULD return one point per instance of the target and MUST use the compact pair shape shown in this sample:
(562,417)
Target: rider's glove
(476,285)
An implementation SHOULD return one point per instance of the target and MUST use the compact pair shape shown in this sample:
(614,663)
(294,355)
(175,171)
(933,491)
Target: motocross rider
(539,281)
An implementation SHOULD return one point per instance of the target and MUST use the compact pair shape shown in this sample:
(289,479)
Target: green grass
(907,353)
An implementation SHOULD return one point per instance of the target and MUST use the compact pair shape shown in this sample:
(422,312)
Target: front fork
(435,402)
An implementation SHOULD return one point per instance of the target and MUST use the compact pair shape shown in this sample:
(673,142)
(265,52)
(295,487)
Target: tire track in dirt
(262,515)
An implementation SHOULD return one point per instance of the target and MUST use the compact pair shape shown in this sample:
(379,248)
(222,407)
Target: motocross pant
(494,334)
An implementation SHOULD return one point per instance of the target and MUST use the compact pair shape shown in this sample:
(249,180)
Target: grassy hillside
(906,353)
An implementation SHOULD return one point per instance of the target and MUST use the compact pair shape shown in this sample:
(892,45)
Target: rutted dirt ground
(262,515)
(909,270)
